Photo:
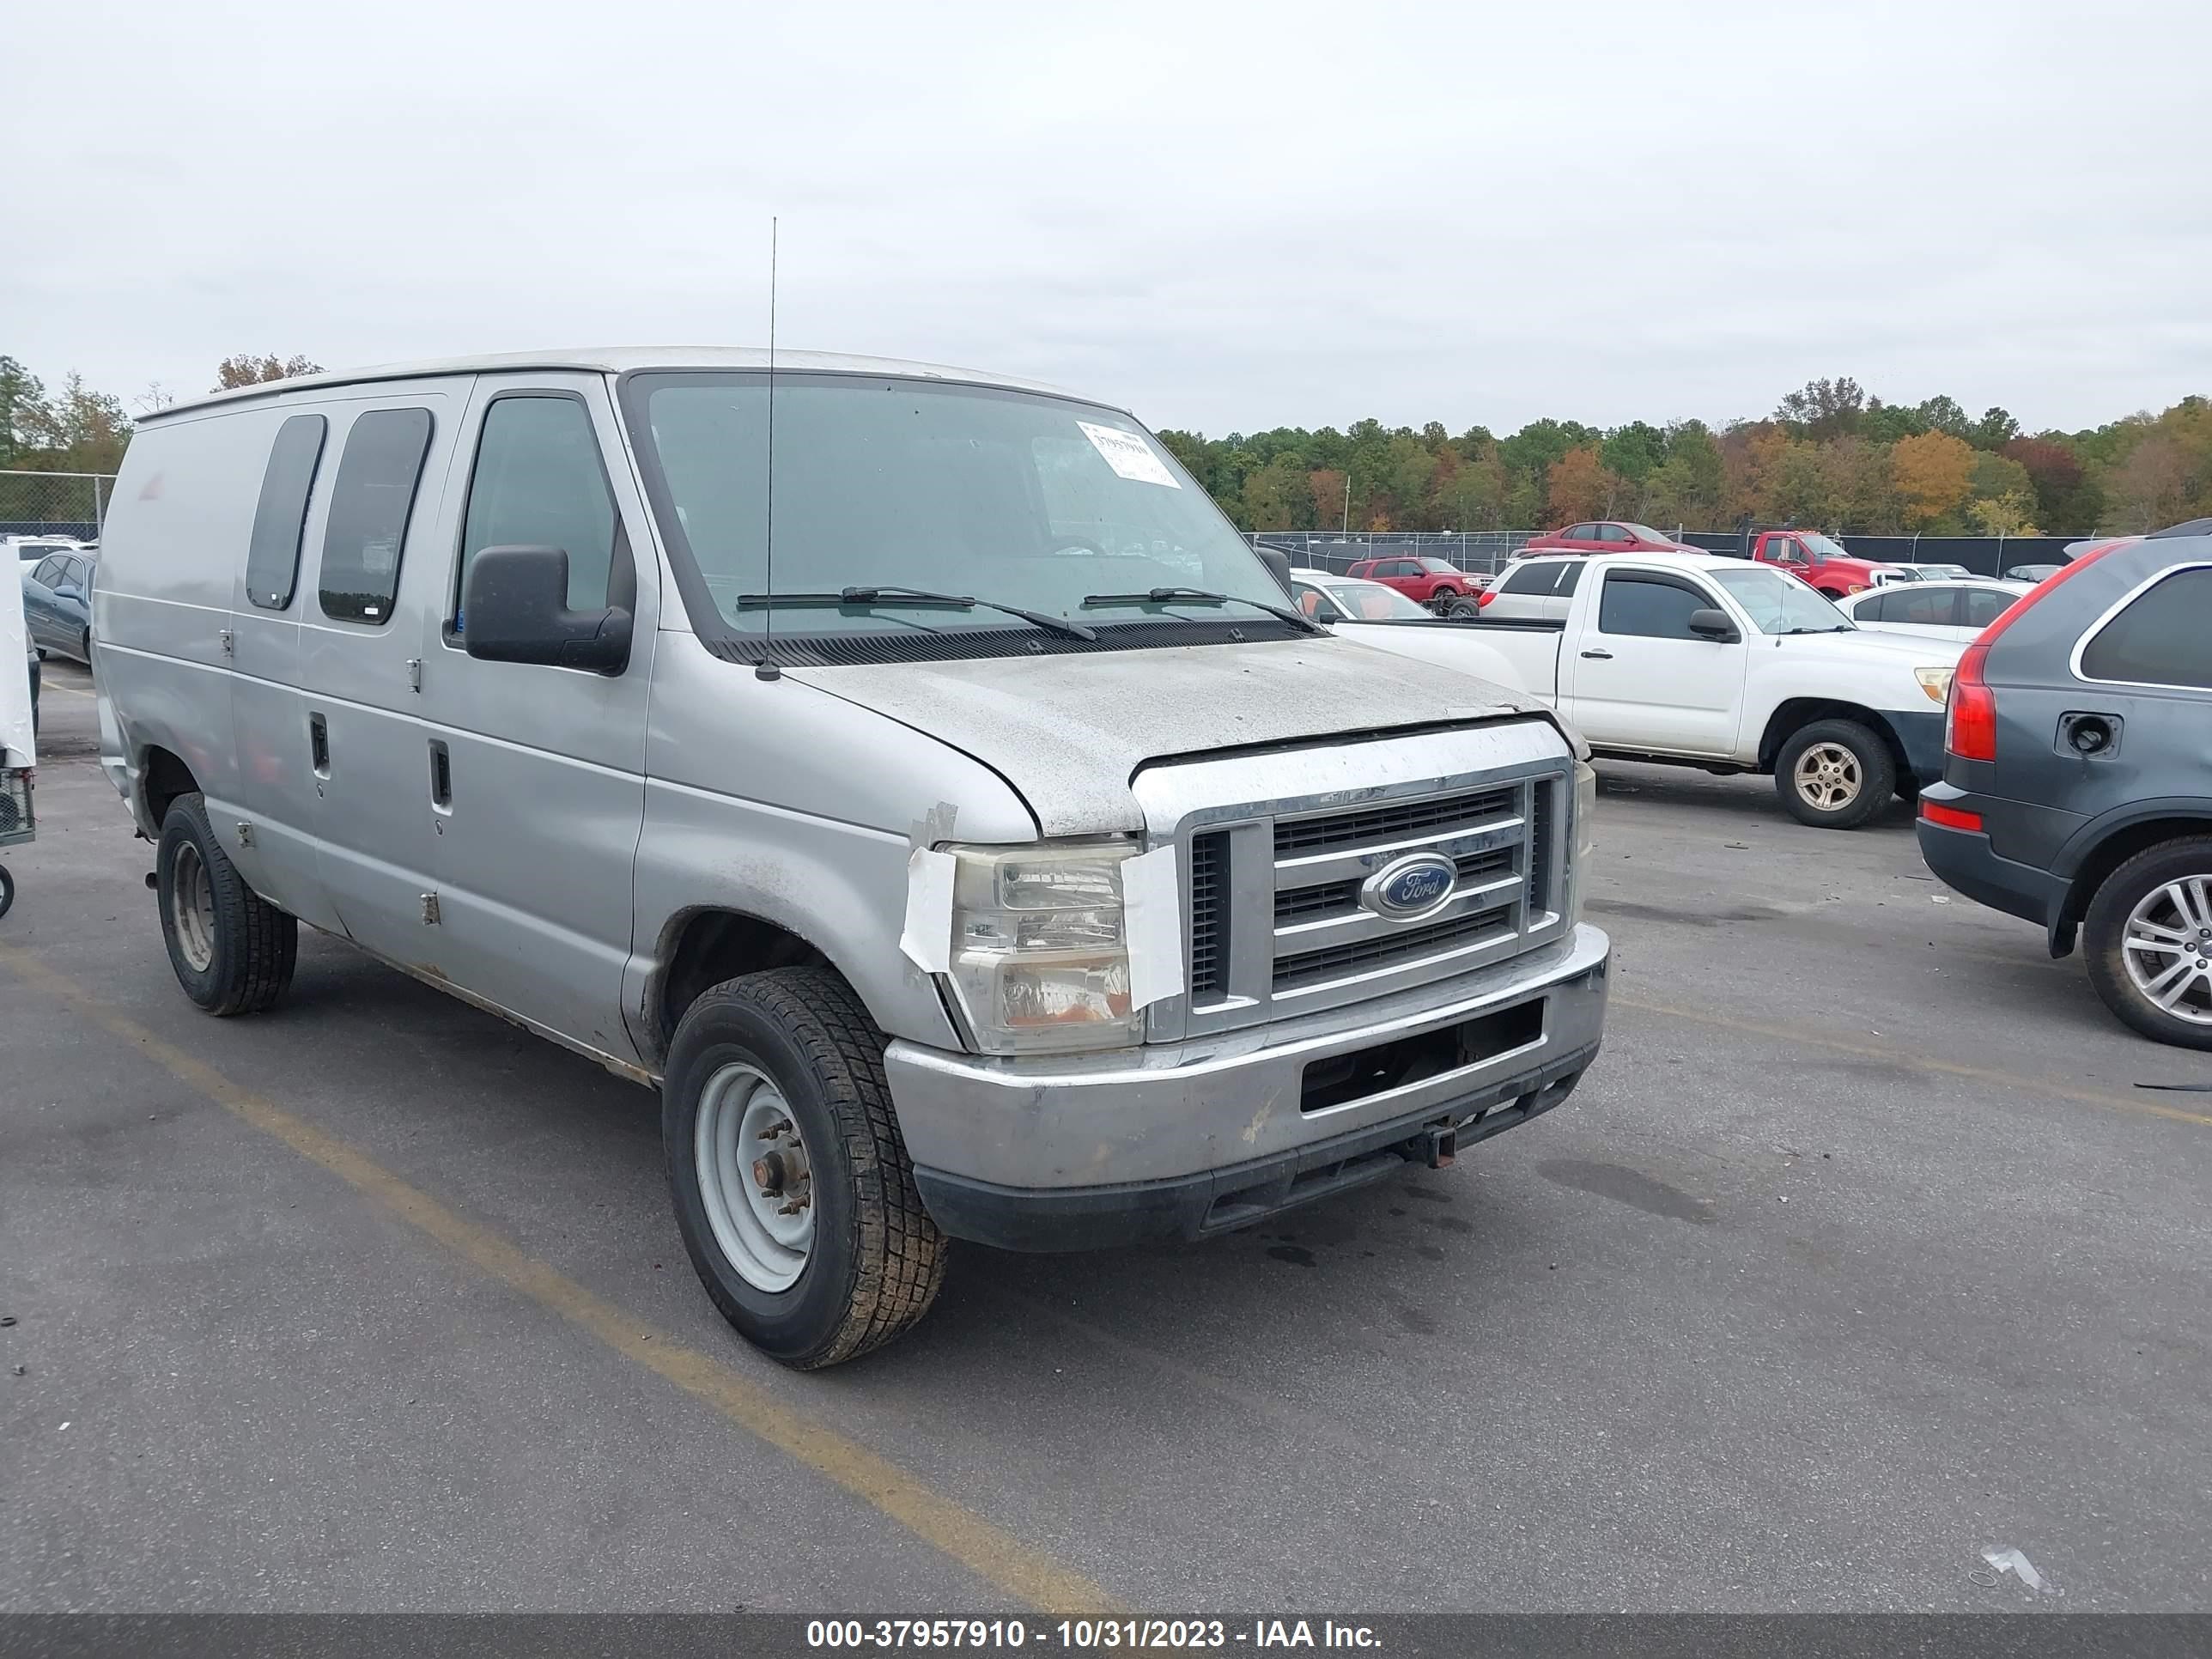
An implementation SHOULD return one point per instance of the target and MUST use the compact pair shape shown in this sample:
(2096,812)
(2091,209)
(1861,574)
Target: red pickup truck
(1811,556)
(1445,588)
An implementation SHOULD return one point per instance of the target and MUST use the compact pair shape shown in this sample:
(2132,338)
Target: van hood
(1069,731)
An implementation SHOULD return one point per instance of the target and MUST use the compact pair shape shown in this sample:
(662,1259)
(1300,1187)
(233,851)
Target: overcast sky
(1229,218)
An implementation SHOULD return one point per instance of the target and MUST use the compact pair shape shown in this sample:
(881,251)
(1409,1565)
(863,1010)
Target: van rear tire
(233,951)
(827,1252)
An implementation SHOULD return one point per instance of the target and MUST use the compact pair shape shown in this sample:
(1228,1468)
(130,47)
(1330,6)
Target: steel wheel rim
(2166,948)
(1827,776)
(754,1177)
(192,908)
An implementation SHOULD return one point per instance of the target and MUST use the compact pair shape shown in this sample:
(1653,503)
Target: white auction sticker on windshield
(1128,454)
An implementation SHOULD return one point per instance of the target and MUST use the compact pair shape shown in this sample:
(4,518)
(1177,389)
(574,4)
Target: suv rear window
(272,557)
(2161,638)
(369,508)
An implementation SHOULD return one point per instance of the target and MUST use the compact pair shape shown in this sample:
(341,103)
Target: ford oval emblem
(1410,887)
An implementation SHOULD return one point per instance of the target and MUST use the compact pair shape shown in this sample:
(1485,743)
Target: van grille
(1341,961)
(1387,823)
(1305,941)
(1209,915)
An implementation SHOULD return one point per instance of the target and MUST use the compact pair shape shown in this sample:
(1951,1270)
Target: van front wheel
(233,951)
(792,1184)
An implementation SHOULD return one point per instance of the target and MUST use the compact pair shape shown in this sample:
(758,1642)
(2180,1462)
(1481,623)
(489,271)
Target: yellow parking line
(984,1549)
(74,691)
(1942,1068)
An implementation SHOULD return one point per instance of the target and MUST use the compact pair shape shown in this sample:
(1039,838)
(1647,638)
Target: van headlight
(1585,836)
(1039,962)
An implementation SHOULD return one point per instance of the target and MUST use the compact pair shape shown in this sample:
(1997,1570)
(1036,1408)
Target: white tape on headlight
(1151,926)
(926,939)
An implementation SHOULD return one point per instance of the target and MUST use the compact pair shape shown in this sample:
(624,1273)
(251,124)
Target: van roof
(615,360)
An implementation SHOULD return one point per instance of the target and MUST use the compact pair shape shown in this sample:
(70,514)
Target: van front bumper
(1077,1151)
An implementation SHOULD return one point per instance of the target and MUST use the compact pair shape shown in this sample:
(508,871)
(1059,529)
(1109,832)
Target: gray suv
(2077,787)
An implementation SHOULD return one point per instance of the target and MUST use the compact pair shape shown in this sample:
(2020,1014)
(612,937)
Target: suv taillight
(1970,728)
(1484,598)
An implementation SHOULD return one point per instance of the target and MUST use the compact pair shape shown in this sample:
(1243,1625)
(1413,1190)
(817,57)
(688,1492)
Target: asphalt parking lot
(1859,1251)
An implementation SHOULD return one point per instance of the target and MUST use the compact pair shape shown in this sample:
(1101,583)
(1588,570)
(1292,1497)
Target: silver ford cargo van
(908,771)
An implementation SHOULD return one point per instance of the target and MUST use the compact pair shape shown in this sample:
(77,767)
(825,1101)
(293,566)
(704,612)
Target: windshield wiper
(865,597)
(1846,628)
(1206,596)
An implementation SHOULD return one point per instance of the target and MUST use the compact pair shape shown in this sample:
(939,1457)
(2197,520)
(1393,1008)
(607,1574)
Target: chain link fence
(72,504)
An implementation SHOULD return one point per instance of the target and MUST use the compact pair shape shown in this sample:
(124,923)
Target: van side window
(272,557)
(2161,639)
(369,508)
(538,482)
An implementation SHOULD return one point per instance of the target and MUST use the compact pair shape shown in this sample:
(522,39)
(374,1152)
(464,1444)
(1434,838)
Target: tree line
(74,428)
(1828,457)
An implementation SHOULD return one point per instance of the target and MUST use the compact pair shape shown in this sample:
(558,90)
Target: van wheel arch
(701,948)
(163,779)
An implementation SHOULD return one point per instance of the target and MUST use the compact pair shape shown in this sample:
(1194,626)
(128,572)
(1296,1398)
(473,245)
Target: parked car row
(57,602)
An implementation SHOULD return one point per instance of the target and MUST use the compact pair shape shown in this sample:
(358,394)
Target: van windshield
(1012,498)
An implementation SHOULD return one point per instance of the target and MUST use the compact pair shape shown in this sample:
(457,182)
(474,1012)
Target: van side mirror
(1711,624)
(1278,567)
(515,609)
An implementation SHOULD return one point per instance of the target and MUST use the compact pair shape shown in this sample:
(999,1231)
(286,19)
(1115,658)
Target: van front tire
(792,1184)
(233,952)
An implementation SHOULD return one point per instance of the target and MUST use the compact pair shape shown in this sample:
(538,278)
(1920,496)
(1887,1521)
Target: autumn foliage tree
(1933,475)
(246,369)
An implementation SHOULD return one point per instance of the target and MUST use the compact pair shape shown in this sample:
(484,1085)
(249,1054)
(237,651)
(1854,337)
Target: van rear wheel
(792,1184)
(2149,937)
(233,951)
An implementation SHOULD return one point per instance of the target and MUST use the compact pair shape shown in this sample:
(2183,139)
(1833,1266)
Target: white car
(1939,610)
(1896,573)
(1532,588)
(29,549)
(1734,666)
(1368,613)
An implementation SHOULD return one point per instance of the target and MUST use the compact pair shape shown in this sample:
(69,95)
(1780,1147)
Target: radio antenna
(766,668)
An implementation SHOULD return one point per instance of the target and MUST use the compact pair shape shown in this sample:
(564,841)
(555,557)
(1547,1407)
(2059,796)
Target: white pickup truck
(1732,666)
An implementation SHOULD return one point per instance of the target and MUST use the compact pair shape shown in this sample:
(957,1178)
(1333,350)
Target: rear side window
(538,482)
(2164,637)
(1922,607)
(1648,606)
(1570,572)
(1980,606)
(272,558)
(369,508)
(1528,579)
